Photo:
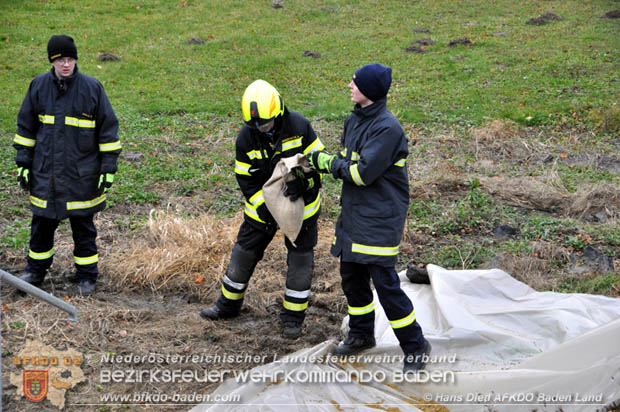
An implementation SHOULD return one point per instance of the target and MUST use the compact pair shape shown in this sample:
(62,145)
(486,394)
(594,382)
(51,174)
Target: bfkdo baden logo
(45,374)
(36,385)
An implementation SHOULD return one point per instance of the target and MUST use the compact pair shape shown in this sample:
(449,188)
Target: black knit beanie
(61,45)
(373,80)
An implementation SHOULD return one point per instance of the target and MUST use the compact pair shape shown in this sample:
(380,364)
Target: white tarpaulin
(497,345)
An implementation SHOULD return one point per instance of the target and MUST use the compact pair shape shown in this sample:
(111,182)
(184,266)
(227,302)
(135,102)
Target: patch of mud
(461,42)
(614,14)
(108,57)
(543,19)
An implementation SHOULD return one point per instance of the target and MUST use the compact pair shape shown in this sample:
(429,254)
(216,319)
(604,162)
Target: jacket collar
(65,82)
(370,110)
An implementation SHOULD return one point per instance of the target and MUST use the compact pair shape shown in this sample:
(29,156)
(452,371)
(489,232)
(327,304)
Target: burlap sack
(289,215)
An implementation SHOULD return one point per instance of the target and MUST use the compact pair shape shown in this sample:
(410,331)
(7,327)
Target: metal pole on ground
(39,294)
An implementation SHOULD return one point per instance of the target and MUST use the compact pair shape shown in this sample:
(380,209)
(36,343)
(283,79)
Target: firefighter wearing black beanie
(61,45)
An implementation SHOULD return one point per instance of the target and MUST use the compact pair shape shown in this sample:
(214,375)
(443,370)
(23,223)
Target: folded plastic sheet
(498,345)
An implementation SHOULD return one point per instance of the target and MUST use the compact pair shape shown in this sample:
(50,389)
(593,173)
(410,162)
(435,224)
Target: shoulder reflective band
(38,202)
(86,260)
(362,310)
(108,147)
(42,255)
(242,168)
(311,209)
(230,295)
(355,175)
(295,307)
(400,163)
(291,143)
(314,146)
(24,141)
(406,321)
(85,204)
(74,121)
(46,118)
(374,250)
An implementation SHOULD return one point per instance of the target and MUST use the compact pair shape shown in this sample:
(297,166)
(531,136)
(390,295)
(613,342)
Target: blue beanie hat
(373,80)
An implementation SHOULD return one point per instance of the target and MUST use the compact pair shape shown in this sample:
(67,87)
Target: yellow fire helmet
(261,103)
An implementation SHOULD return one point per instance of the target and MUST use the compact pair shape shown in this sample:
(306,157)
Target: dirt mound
(604,198)
(543,19)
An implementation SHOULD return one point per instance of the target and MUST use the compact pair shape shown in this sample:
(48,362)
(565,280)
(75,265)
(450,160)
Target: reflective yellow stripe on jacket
(255,201)
(312,208)
(74,121)
(109,147)
(24,141)
(314,146)
(374,250)
(46,118)
(85,204)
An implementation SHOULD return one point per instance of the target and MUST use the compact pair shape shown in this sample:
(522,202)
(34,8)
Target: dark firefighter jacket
(257,156)
(66,135)
(375,188)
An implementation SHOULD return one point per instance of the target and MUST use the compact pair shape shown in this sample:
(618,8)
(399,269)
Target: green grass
(531,74)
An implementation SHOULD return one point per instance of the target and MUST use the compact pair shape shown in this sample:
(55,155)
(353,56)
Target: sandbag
(288,215)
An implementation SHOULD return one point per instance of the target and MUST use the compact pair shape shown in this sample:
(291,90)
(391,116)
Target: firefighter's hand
(295,188)
(105,182)
(321,161)
(23,177)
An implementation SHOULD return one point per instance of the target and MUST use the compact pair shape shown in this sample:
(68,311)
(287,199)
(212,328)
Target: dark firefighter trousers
(41,253)
(248,251)
(396,304)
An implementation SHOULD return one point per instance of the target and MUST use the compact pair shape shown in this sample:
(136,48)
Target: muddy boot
(34,280)
(353,345)
(417,360)
(215,313)
(85,287)
(292,330)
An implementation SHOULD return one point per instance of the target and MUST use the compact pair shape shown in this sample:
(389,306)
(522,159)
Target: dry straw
(175,254)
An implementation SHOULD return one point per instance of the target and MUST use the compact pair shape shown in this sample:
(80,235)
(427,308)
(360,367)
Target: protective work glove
(321,161)
(23,177)
(105,182)
(295,188)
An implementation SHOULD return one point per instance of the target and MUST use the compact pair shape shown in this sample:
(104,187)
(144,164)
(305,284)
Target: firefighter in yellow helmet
(271,132)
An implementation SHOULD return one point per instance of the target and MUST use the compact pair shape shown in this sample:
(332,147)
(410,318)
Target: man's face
(357,96)
(267,127)
(64,66)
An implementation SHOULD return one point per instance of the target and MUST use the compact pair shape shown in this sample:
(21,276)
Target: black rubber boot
(417,360)
(292,330)
(353,345)
(34,280)
(215,313)
(85,287)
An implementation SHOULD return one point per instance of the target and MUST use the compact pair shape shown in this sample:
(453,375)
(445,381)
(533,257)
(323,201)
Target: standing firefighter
(375,199)
(271,133)
(67,151)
